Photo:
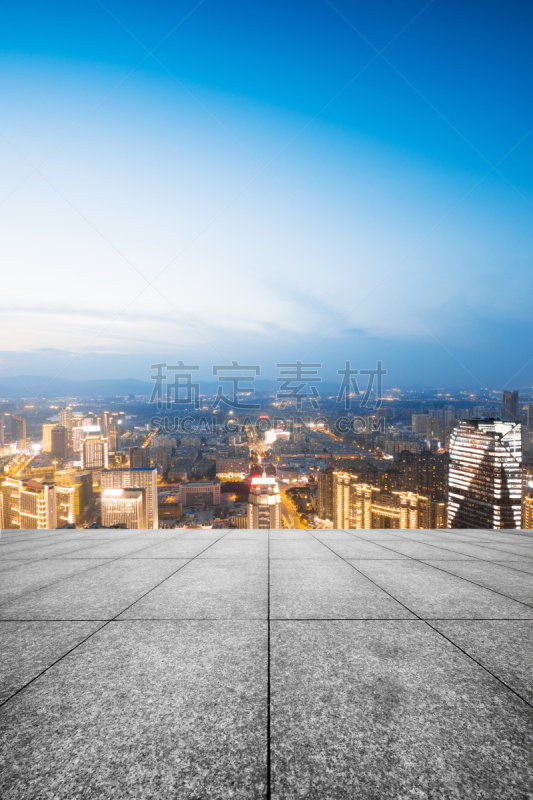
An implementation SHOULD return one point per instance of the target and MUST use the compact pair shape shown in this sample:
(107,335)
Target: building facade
(135,479)
(485,474)
(264,504)
(124,507)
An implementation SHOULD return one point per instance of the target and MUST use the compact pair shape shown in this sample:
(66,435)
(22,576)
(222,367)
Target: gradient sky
(290,192)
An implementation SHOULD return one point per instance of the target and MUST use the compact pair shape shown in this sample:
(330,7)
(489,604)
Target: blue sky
(287,191)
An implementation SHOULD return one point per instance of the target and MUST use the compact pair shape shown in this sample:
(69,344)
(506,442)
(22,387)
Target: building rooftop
(256,664)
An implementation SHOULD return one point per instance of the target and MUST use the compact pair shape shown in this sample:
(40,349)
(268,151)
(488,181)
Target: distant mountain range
(47,387)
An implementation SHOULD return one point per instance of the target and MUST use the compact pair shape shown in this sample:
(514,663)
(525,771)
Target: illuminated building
(135,479)
(94,452)
(2,435)
(510,405)
(527,494)
(325,494)
(47,436)
(59,442)
(65,417)
(194,493)
(436,429)
(65,505)
(124,507)
(236,468)
(485,474)
(362,506)
(77,438)
(29,504)
(274,435)
(264,504)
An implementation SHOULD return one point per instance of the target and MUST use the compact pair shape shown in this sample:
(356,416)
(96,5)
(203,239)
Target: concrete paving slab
(423,550)
(295,548)
(504,647)
(238,549)
(429,592)
(520,566)
(29,577)
(510,582)
(311,589)
(391,710)
(172,548)
(28,648)
(485,551)
(360,548)
(99,593)
(215,588)
(154,710)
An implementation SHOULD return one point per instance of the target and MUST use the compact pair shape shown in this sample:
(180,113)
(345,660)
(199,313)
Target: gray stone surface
(218,588)
(504,647)
(28,648)
(99,593)
(28,577)
(510,582)
(390,710)
(429,592)
(146,676)
(157,710)
(311,589)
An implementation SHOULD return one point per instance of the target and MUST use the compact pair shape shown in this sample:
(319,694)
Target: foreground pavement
(252,664)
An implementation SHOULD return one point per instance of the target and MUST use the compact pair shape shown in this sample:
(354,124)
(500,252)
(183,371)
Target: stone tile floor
(255,664)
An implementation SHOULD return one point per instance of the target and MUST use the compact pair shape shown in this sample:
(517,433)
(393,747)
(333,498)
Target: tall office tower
(342,481)
(510,405)
(59,437)
(436,429)
(529,415)
(66,503)
(47,436)
(135,479)
(163,458)
(77,438)
(94,452)
(264,504)
(139,457)
(325,494)
(65,417)
(419,423)
(38,505)
(2,434)
(18,429)
(527,492)
(83,483)
(484,485)
(124,507)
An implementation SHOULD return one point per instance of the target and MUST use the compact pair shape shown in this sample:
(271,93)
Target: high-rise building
(363,506)
(264,504)
(510,405)
(77,438)
(436,429)
(419,423)
(94,452)
(325,494)
(2,434)
(47,436)
(529,415)
(59,442)
(124,507)
(485,474)
(65,505)
(65,417)
(29,504)
(18,430)
(135,479)
(139,457)
(527,493)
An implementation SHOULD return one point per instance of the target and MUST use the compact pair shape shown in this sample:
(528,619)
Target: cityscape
(420,460)
(266,400)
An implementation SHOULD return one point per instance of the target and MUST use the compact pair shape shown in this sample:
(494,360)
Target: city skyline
(306,196)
